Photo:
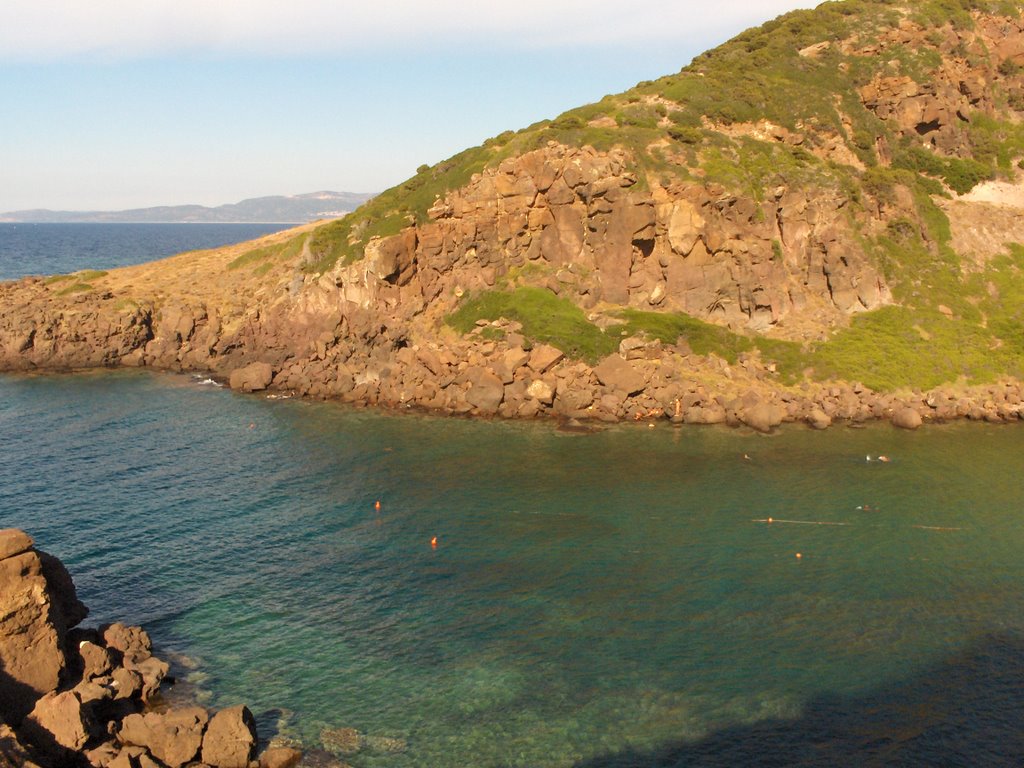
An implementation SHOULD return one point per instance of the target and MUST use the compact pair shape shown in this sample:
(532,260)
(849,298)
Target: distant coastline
(277,209)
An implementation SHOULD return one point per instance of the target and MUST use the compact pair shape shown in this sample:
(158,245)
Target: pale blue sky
(125,104)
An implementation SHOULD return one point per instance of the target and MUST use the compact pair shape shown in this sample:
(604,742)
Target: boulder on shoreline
(79,697)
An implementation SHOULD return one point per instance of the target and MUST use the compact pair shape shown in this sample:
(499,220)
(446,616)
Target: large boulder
(541,391)
(818,419)
(141,673)
(278,757)
(906,418)
(763,416)
(94,660)
(486,391)
(173,737)
(252,378)
(616,374)
(132,642)
(151,672)
(14,542)
(543,357)
(59,724)
(230,740)
(37,605)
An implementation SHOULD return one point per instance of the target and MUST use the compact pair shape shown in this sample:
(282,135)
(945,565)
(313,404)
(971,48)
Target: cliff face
(582,218)
(802,176)
(573,220)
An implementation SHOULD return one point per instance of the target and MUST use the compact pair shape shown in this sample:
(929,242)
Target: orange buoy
(770,520)
(798,555)
(433,543)
(377,506)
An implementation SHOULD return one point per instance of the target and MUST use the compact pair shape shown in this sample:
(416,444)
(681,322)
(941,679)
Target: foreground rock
(78,697)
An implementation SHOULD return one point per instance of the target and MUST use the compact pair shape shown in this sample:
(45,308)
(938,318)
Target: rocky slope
(85,697)
(808,223)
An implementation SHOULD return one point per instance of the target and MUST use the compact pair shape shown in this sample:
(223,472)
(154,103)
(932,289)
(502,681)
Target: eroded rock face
(252,378)
(694,248)
(44,329)
(35,612)
(787,259)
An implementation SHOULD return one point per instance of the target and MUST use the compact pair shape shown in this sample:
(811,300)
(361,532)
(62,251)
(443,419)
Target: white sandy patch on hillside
(987,218)
(1008,193)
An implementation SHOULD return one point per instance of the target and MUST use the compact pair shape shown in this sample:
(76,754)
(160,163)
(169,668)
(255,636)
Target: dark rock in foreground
(78,697)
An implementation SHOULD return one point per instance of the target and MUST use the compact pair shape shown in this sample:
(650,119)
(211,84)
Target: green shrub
(897,347)
(76,287)
(545,318)
(265,254)
(685,134)
(568,122)
(962,175)
(1008,68)
(669,327)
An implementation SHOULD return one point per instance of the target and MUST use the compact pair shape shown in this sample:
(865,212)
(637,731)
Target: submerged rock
(342,741)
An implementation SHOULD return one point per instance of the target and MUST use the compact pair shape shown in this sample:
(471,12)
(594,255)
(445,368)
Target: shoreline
(763,411)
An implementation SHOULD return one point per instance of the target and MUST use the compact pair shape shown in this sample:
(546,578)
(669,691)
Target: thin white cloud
(53,29)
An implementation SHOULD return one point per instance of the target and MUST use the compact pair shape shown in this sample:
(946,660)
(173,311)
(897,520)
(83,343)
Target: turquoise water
(594,600)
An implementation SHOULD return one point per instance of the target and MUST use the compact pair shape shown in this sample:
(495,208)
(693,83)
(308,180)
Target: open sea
(49,249)
(603,600)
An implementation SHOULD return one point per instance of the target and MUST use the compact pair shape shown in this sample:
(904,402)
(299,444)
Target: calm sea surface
(601,600)
(49,249)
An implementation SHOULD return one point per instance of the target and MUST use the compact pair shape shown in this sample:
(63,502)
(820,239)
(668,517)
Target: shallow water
(599,600)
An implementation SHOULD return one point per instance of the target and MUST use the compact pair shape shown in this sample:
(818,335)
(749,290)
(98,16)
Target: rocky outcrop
(78,697)
(580,215)
(39,607)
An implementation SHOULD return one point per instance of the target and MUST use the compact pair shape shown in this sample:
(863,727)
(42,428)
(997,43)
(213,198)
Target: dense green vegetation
(78,282)
(545,318)
(263,258)
(549,319)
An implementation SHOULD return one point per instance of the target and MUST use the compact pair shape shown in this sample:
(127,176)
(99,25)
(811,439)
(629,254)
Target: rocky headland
(707,248)
(73,696)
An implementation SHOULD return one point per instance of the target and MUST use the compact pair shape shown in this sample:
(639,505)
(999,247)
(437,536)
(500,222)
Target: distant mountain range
(277,208)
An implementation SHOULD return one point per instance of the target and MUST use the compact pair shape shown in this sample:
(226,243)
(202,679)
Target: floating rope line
(774,520)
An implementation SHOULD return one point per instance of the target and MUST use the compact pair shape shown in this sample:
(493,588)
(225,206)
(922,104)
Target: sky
(114,104)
